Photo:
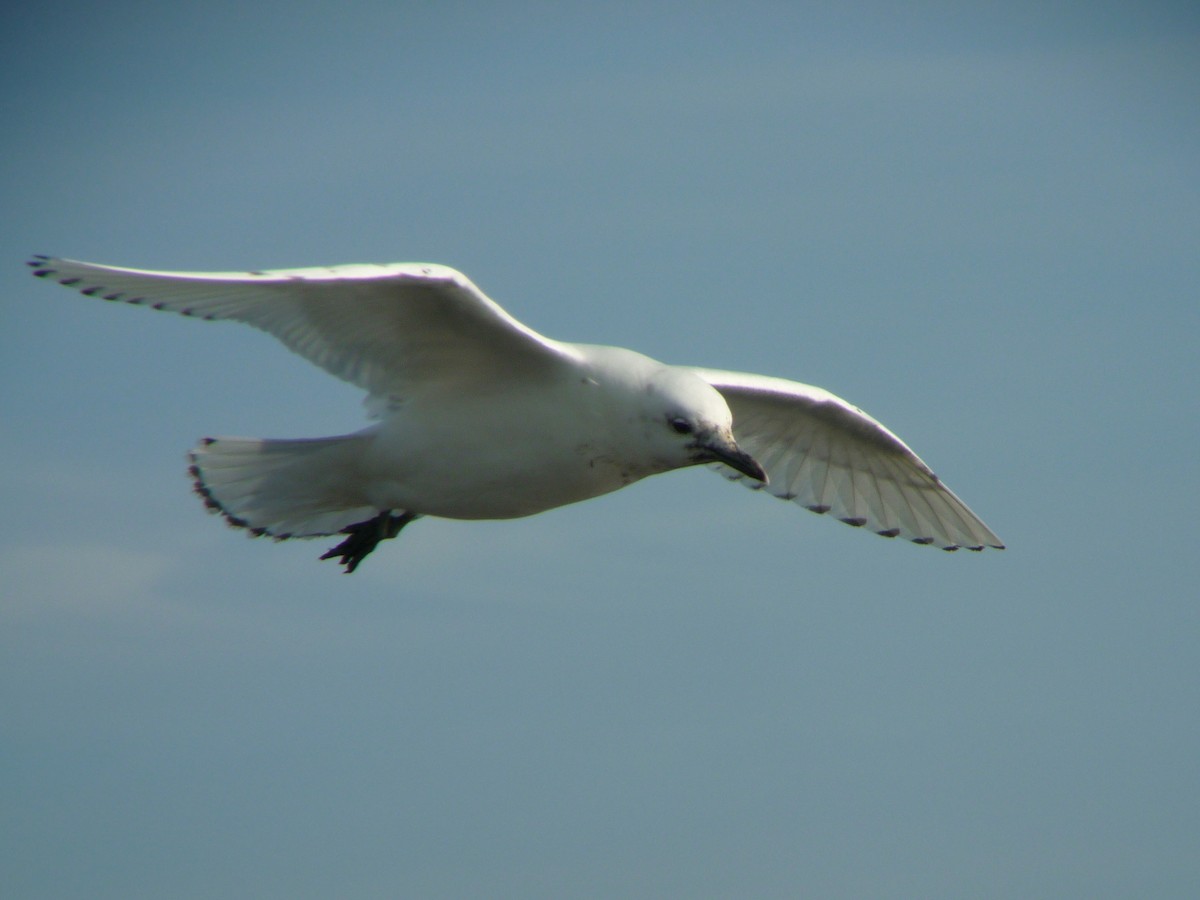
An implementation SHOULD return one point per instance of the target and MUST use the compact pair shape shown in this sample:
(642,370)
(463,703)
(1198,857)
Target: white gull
(479,417)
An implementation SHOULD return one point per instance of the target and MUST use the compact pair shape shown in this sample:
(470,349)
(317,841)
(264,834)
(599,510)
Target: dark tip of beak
(748,466)
(734,457)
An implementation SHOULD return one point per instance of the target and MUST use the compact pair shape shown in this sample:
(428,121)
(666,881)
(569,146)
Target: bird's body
(479,417)
(497,453)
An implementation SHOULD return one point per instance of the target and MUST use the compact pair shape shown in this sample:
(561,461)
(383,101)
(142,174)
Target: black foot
(365,536)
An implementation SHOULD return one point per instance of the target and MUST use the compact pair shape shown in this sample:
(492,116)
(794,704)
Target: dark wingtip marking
(818,508)
(68,282)
(856,522)
(951,548)
(117,296)
(92,291)
(889,532)
(922,540)
(42,273)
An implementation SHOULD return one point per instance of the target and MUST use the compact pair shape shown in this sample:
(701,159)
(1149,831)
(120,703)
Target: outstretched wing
(384,328)
(831,457)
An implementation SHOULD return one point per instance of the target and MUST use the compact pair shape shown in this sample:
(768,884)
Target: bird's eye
(681,425)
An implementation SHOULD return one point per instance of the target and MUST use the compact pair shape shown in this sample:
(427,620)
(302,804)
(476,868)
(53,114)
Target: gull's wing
(384,328)
(829,456)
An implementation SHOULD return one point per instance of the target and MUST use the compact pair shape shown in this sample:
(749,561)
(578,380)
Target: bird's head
(688,422)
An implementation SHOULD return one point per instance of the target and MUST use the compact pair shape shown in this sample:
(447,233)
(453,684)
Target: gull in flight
(480,417)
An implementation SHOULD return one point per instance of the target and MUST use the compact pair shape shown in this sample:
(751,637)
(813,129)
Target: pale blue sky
(979,222)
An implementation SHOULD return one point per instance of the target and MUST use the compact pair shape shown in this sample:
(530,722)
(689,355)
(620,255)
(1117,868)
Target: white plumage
(481,417)
(831,457)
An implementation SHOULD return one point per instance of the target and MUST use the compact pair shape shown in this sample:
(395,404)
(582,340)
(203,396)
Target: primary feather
(831,457)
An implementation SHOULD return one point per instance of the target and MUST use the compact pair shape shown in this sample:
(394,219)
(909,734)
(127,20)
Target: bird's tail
(285,489)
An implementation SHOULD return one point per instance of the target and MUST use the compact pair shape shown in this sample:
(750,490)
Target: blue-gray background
(980,222)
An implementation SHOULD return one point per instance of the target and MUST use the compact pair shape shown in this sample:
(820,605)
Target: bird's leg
(365,536)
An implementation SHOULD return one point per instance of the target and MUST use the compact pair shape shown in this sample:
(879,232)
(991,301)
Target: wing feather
(385,328)
(829,456)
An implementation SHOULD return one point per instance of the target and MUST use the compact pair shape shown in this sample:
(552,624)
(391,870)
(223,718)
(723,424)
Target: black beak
(726,451)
